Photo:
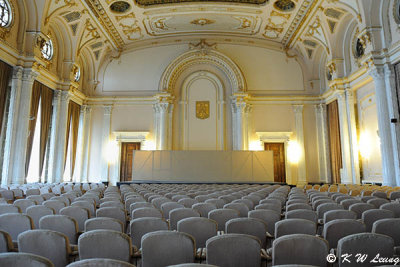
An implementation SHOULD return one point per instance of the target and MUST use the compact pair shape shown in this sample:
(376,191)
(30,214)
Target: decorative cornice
(195,57)
(298,21)
(105,20)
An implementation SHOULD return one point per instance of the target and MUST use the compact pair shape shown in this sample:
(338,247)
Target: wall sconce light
(148,145)
(294,152)
(364,145)
(111,152)
(256,145)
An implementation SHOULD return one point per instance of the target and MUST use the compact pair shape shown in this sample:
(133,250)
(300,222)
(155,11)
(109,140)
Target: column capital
(349,93)
(164,98)
(107,110)
(86,108)
(320,108)
(64,95)
(17,72)
(377,72)
(341,95)
(240,103)
(389,71)
(298,108)
(29,75)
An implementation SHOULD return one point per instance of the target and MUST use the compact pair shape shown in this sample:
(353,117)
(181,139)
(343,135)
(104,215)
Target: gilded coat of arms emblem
(202,109)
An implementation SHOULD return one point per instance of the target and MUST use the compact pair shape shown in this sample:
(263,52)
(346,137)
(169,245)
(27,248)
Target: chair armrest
(269,235)
(265,256)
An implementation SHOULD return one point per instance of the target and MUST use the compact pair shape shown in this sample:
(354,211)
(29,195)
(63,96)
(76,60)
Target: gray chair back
(309,250)
(200,228)
(233,250)
(163,248)
(336,229)
(46,243)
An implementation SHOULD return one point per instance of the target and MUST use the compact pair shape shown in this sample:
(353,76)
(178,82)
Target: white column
(322,143)
(9,146)
(301,166)
(164,121)
(163,110)
(58,165)
(156,134)
(393,106)
(385,135)
(351,119)
(247,127)
(17,166)
(53,136)
(86,144)
(240,112)
(105,141)
(83,145)
(346,171)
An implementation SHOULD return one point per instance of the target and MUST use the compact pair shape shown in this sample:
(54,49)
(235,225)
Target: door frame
(126,137)
(279,137)
(126,150)
(281,144)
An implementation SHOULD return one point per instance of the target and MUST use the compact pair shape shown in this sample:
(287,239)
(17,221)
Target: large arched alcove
(202,76)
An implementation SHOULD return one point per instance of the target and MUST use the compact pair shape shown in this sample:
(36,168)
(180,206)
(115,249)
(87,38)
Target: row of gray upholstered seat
(165,248)
(37,230)
(9,193)
(291,197)
(369,216)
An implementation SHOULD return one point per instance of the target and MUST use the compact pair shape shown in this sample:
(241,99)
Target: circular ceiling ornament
(5,14)
(120,6)
(396,11)
(284,5)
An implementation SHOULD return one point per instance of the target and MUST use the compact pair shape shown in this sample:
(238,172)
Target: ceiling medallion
(120,6)
(284,5)
(202,21)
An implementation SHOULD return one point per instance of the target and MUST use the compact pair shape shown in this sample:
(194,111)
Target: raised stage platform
(203,166)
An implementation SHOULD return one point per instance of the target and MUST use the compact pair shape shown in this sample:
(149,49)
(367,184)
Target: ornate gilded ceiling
(161,2)
(128,23)
(128,20)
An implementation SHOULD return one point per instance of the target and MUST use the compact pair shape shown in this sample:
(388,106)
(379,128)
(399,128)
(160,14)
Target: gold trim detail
(105,20)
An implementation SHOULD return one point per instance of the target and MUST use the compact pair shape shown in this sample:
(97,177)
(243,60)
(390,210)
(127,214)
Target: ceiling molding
(102,16)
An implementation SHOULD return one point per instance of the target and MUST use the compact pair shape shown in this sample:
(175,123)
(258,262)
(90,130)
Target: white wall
(368,123)
(265,70)
(133,118)
(202,133)
(139,71)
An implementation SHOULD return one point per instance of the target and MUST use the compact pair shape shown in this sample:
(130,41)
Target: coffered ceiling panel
(198,22)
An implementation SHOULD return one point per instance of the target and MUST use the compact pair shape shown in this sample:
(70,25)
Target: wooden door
(126,160)
(278,150)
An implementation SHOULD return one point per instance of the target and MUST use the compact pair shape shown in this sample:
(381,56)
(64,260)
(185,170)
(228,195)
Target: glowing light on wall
(256,145)
(111,152)
(365,145)
(294,152)
(148,145)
